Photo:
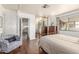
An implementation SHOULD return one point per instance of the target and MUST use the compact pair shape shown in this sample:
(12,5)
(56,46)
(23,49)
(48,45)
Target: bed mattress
(60,44)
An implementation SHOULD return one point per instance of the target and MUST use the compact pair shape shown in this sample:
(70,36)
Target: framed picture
(1,21)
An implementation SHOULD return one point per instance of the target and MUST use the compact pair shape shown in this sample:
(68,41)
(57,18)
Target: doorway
(24,32)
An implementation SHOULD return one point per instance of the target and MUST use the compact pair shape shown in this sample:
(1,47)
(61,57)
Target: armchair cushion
(11,39)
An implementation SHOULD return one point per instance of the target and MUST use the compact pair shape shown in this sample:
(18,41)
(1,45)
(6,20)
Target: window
(76,24)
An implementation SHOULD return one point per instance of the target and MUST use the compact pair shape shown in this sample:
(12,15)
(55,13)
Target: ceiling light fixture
(45,6)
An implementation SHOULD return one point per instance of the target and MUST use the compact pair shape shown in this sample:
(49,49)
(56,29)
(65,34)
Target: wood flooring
(28,47)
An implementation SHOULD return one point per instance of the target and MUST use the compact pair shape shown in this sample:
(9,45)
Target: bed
(59,44)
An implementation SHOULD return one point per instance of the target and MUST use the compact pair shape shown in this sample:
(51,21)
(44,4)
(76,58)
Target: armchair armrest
(17,38)
(4,44)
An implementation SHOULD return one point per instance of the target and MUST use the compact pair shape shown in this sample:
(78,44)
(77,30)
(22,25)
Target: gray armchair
(6,45)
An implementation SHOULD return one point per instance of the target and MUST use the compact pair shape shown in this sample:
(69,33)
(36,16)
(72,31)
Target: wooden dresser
(49,30)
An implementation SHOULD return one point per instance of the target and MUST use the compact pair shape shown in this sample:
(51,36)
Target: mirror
(69,24)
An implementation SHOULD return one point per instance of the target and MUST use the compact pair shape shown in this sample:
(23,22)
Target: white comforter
(59,44)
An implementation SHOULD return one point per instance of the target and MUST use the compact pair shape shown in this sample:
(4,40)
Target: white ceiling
(37,9)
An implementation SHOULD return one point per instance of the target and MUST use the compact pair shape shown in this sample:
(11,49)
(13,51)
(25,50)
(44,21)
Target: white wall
(70,33)
(9,20)
(1,15)
(31,23)
(2,9)
(32,30)
(52,19)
